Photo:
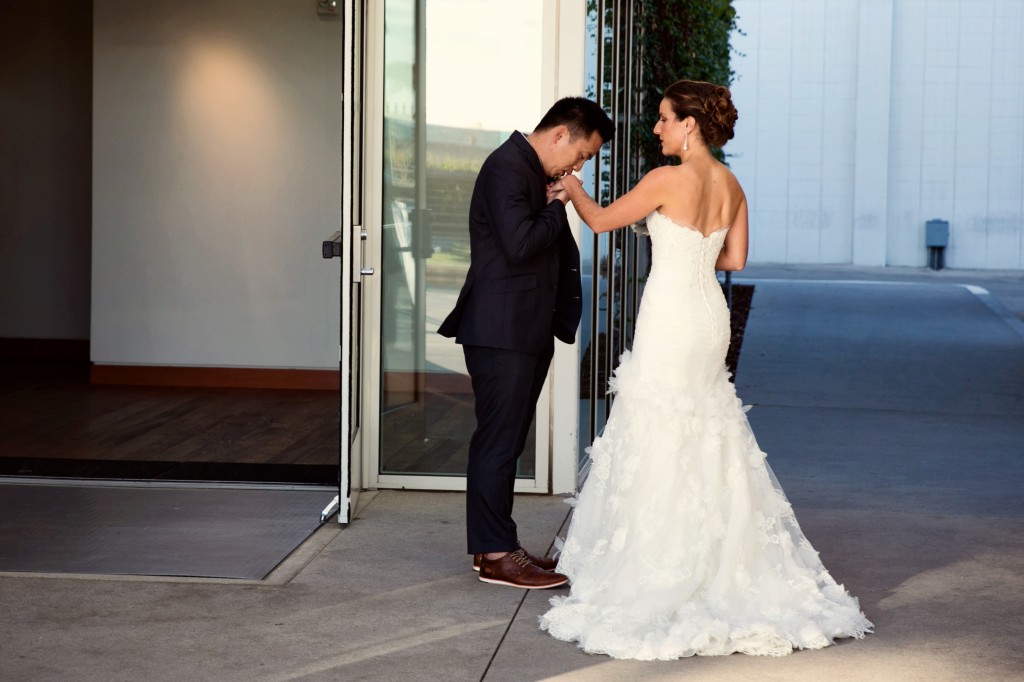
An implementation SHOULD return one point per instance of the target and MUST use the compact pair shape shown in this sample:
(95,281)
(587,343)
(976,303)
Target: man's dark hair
(581,116)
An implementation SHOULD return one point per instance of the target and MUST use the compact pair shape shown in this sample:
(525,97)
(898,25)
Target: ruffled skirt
(682,542)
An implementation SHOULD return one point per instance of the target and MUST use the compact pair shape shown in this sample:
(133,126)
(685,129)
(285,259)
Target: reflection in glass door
(615,264)
(447,104)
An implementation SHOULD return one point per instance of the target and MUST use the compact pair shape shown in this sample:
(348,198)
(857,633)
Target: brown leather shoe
(516,570)
(547,563)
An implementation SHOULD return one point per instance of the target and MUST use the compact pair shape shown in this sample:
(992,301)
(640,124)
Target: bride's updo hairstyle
(710,105)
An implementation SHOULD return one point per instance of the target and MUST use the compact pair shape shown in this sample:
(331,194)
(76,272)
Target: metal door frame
(349,243)
(563,42)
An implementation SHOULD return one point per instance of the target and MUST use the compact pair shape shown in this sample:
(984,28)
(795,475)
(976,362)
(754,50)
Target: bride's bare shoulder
(663,174)
(723,172)
(725,179)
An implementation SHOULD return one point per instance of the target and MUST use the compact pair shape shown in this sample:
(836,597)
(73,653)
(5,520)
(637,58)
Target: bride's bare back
(701,193)
(704,196)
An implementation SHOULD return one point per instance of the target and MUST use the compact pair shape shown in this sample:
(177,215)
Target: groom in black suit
(522,291)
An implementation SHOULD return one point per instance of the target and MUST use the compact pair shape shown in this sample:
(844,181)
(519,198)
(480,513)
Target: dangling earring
(686,141)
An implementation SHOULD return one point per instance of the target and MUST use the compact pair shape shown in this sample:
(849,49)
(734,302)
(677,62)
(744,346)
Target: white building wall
(862,119)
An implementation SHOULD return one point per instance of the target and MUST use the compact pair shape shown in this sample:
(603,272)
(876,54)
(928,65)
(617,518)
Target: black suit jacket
(523,284)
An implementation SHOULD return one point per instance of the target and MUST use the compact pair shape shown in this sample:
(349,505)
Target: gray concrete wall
(45,171)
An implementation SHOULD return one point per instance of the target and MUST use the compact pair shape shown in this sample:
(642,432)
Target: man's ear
(559,133)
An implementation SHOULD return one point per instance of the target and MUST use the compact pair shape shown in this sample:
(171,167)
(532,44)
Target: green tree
(679,39)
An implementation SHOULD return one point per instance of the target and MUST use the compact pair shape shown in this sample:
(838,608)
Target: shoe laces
(520,557)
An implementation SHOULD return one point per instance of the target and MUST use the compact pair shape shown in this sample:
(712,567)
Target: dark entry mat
(159,531)
(49,467)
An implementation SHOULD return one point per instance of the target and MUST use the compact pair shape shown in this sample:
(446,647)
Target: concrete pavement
(892,414)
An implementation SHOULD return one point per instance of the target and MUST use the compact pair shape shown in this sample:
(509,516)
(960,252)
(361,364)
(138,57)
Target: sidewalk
(893,416)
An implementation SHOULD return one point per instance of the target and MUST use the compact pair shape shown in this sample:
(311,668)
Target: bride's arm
(733,256)
(626,210)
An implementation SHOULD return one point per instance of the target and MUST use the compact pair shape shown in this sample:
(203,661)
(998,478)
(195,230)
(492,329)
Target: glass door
(455,85)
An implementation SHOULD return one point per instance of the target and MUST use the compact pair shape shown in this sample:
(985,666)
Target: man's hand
(556,191)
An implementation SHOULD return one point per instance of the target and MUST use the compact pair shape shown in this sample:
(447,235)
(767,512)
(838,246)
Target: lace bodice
(683,250)
(682,330)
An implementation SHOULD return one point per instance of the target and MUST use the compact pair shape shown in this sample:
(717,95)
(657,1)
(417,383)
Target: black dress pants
(506,385)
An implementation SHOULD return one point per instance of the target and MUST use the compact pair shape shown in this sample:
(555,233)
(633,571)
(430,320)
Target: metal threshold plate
(156,531)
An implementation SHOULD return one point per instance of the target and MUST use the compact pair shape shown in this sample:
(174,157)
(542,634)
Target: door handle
(359,236)
(332,247)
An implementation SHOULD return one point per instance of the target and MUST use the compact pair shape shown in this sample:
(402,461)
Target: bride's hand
(572,184)
(571,187)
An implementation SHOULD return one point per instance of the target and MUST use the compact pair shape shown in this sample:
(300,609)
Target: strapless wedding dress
(682,542)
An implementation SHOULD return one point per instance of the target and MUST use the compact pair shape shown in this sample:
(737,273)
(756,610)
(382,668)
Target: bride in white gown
(682,542)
